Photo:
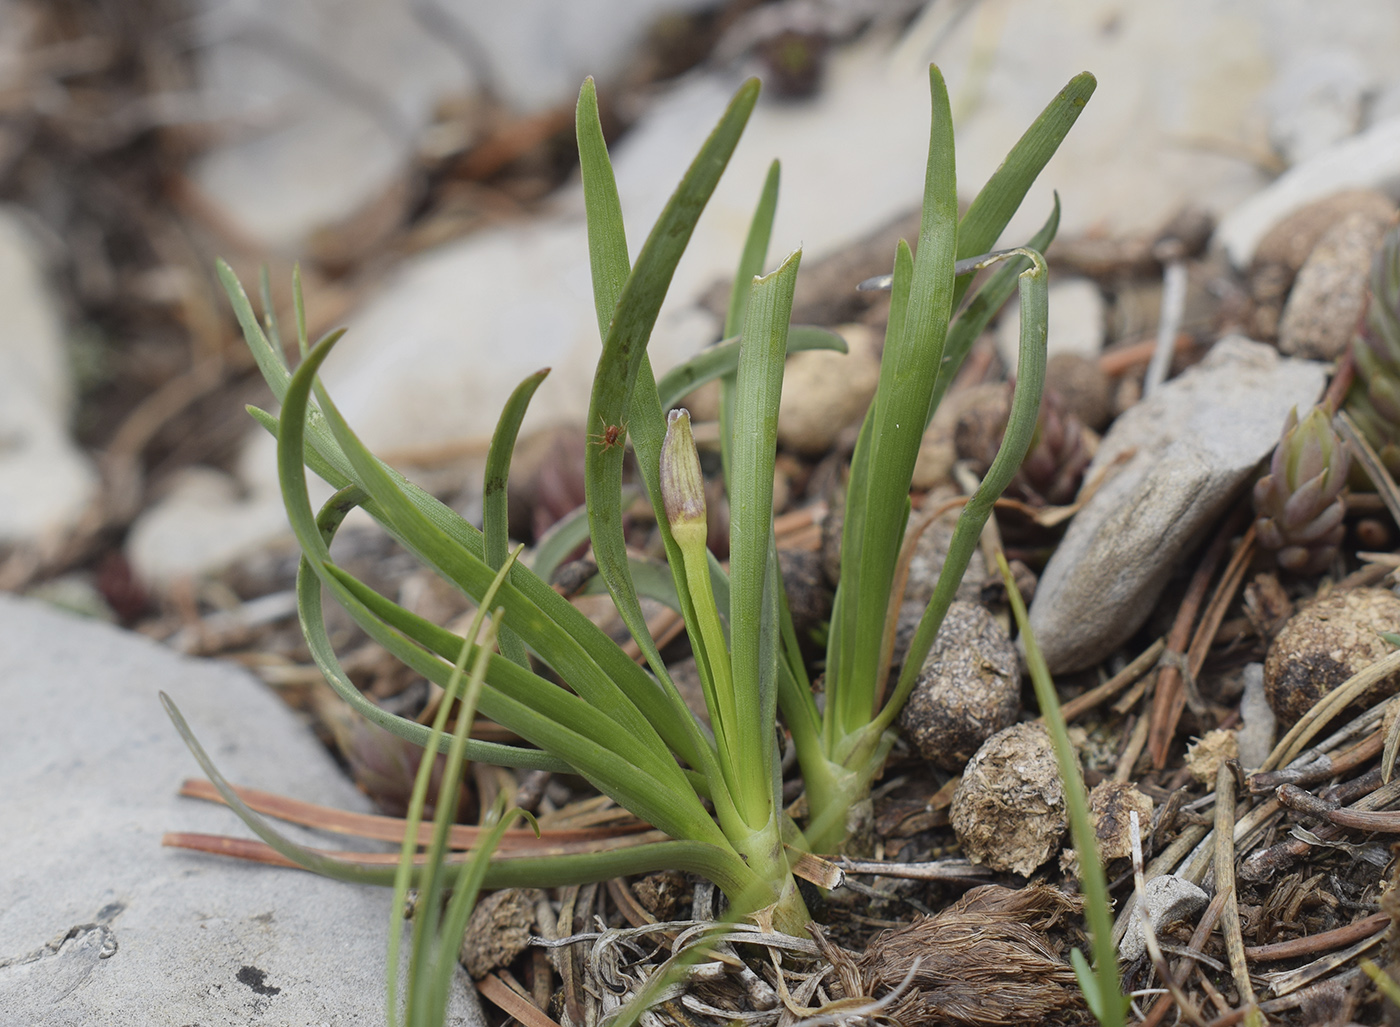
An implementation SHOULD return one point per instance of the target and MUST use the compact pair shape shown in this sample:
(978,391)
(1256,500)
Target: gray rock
(1169,899)
(335,96)
(1368,160)
(1330,292)
(825,392)
(98,922)
(1316,103)
(968,689)
(45,481)
(1187,450)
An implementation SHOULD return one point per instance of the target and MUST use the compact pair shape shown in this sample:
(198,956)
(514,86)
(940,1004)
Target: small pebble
(1330,291)
(969,688)
(1087,392)
(1170,899)
(824,391)
(1290,241)
(1327,642)
(1009,809)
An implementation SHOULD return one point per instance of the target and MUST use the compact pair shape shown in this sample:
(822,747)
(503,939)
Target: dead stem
(1225,880)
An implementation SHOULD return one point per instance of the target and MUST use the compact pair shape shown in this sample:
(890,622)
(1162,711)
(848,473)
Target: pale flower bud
(682,483)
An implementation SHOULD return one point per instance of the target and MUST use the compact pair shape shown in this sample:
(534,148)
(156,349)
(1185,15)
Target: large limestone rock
(1187,451)
(45,481)
(100,924)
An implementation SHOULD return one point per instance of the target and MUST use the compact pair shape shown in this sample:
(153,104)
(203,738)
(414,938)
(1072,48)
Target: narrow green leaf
(270,360)
(760,383)
(607,236)
(1020,429)
(625,348)
(495,517)
(447,800)
(751,262)
(1092,882)
(908,370)
(1000,198)
(985,303)
(274,335)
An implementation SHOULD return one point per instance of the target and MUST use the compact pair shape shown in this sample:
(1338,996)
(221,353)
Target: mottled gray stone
(1169,899)
(1330,291)
(1186,452)
(98,923)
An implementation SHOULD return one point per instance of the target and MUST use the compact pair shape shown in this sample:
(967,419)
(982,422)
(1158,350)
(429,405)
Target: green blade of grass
(908,370)
(1020,430)
(751,261)
(270,360)
(494,513)
(760,381)
(983,306)
(1000,198)
(1098,907)
(447,799)
(625,348)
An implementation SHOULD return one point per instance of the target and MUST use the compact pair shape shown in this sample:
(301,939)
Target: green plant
(626,730)
(1300,502)
(1374,398)
(1100,983)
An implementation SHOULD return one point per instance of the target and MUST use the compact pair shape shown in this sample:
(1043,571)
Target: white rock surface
(1316,102)
(1077,321)
(477,315)
(45,480)
(98,923)
(1187,449)
(1369,160)
(337,93)
(1169,898)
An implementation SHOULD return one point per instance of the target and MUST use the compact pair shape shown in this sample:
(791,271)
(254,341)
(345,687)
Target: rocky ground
(1223,196)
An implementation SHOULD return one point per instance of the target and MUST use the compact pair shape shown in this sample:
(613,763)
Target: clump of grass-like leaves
(716,792)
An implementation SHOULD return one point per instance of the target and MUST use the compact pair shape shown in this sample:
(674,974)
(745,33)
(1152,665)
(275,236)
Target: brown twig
(1353,818)
(1324,942)
(1082,704)
(1320,769)
(1225,880)
(1170,697)
(511,1003)
(390,829)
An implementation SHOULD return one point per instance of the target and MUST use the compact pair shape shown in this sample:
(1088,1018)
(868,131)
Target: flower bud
(682,482)
(1300,502)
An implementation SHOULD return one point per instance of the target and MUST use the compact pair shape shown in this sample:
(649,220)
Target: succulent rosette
(1374,399)
(1300,501)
